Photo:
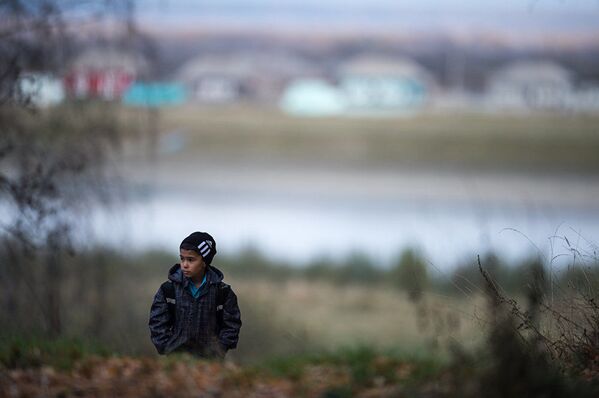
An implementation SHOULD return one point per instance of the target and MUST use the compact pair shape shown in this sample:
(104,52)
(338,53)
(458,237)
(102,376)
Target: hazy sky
(526,15)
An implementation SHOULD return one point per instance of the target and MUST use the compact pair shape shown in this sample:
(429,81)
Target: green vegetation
(36,351)
(411,274)
(365,365)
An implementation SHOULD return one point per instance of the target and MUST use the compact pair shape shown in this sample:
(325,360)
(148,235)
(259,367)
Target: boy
(195,311)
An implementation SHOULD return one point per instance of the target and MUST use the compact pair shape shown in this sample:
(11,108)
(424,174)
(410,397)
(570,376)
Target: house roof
(384,66)
(532,71)
(108,58)
(245,64)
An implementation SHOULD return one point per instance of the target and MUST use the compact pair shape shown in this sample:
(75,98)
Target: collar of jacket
(213,275)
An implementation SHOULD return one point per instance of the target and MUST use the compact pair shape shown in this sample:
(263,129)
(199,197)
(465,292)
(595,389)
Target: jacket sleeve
(160,322)
(229,334)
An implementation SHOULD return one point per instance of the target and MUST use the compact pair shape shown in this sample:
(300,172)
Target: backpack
(168,289)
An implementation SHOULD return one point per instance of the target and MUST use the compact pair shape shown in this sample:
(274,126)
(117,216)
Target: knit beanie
(202,243)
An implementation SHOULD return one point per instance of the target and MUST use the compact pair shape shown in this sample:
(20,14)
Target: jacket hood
(213,274)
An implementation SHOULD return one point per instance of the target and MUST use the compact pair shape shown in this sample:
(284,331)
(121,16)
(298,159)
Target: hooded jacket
(195,328)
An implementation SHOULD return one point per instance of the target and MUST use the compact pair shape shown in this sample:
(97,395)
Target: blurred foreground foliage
(349,372)
(344,373)
(34,352)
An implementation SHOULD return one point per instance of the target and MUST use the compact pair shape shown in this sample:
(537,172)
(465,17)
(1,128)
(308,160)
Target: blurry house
(260,77)
(384,83)
(530,85)
(42,90)
(312,97)
(103,73)
(154,95)
(586,99)
(214,79)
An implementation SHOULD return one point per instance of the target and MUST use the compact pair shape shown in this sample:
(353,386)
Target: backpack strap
(221,296)
(168,290)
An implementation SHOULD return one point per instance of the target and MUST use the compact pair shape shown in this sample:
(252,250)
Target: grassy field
(536,143)
(297,317)
(280,319)
(377,316)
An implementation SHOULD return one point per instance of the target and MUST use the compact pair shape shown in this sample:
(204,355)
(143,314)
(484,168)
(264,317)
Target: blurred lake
(297,213)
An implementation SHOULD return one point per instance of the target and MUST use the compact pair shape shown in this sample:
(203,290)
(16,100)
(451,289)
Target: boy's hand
(221,351)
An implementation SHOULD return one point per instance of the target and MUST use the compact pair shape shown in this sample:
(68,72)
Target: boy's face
(192,264)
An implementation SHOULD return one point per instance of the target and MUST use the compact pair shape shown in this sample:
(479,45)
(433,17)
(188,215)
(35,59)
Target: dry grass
(533,143)
(381,317)
(298,316)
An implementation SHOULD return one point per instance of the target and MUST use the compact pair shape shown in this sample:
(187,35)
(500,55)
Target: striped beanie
(202,243)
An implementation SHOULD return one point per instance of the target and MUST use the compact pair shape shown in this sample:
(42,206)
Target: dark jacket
(195,327)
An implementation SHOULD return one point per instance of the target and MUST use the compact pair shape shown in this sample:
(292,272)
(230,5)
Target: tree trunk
(53,282)
(100,282)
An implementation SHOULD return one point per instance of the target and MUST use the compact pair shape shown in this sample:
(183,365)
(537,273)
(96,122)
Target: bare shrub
(548,346)
(53,161)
